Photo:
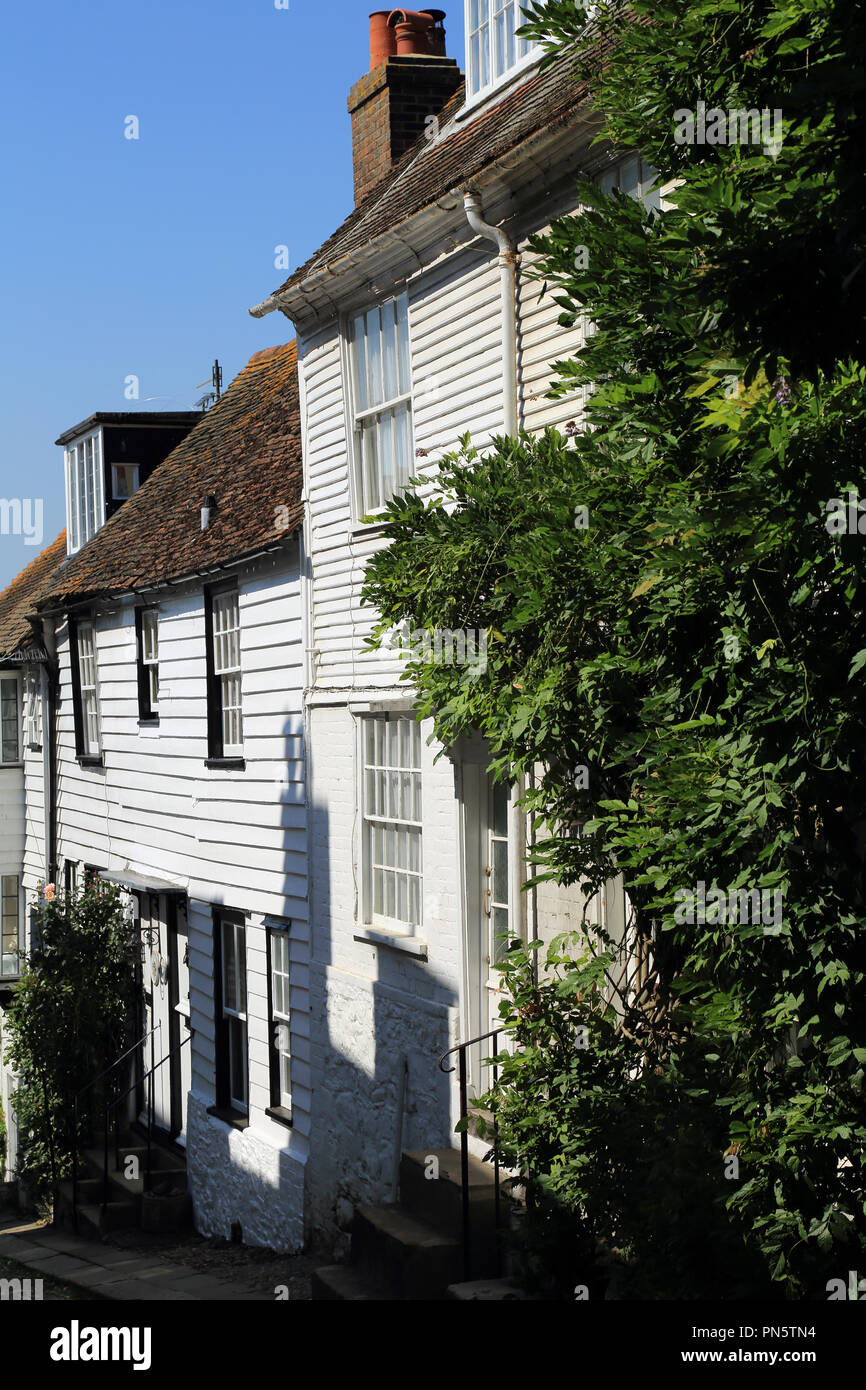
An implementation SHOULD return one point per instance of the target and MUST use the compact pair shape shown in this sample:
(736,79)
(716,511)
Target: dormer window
(85,500)
(493,49)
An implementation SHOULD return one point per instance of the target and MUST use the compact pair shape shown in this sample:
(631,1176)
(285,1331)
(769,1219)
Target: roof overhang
(518,176)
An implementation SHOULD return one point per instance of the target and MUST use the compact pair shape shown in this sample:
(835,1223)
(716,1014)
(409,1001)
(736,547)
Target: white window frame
(234,1009)
(33,709)
(281,1021)
(116,470)
(226,611)
(150,655)
(85,490)
(391,819)
(88,689)
(10,678)
(500,72)
(8,971)
(367,419)
(635,177)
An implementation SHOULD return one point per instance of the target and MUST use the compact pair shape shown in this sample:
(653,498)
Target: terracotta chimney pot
(418,31)
(383,38)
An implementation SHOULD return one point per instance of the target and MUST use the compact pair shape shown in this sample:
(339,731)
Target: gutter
(508,261)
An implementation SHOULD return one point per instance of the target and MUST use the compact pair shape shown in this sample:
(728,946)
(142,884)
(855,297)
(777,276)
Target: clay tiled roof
(245,452)
(430,170)
(20,598)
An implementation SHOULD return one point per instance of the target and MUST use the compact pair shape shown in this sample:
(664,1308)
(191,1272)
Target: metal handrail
(118,1100)
(462,1048)
(76,1115)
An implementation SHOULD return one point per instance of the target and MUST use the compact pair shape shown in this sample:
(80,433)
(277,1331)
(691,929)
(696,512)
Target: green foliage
(67,1020)
(698,647)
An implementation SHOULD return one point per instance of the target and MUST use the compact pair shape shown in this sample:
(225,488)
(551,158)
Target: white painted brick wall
(373,1006)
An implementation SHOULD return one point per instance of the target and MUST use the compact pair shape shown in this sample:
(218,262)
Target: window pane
(403,344)
(229,969)
(359,361)
(372,498)
(389,345)
(393,848)
(241,955)
(374,358)
(386,454)
(9,717)
(81,493)
(151,637)
(237,1062)
(402,446)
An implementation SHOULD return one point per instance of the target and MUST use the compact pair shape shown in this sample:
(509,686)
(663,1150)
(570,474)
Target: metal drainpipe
(508,262)
(52,667)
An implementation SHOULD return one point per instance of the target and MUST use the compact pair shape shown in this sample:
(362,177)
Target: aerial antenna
(216,381)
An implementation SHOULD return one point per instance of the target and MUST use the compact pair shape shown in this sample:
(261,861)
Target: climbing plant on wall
(674,597)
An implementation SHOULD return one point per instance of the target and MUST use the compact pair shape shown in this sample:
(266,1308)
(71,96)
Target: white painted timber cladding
(228,838)
(542,341)
(236,838)
(456,352)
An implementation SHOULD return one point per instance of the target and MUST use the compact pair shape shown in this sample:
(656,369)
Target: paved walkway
(111,1273)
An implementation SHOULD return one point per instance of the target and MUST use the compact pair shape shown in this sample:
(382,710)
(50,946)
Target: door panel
(489,879)
(157,965)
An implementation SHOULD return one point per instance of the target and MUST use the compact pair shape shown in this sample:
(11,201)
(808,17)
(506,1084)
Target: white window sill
(397,940)
(369,528)
(495,90)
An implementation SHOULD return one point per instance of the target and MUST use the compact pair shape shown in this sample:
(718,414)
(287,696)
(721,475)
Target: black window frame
(21,933)
(84,758)
(216,756)
(14,675)
(276,1109)
(224,1108)
(146,713)
(70,877)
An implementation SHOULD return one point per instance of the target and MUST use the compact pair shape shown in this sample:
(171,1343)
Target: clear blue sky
(141,257)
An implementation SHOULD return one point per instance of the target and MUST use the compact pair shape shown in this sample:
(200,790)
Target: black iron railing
(110,1116)
(76,1108)
(461,1049)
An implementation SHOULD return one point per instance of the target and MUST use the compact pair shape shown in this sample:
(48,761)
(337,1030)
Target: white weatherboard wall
(234,839)
(378,1009)
(12,821)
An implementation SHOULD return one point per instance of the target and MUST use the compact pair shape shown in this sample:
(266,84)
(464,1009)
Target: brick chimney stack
(410,78)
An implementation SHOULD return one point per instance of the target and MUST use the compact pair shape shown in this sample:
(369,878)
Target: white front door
(158,1023)
(181,1062)
(490,916)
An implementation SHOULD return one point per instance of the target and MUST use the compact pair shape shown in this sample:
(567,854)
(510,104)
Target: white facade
(390,999)
(23,839)
(189,841)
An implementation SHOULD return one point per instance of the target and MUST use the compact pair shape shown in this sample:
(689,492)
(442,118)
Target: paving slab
(59,1265)
(95,1278)
(195,1283)
(55,1240)
(23,1251)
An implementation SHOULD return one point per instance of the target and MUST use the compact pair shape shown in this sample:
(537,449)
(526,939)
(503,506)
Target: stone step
(93,1219)
(346,1284)
(431,1186)
(397,1251)
(161,1160)
(488,1291)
